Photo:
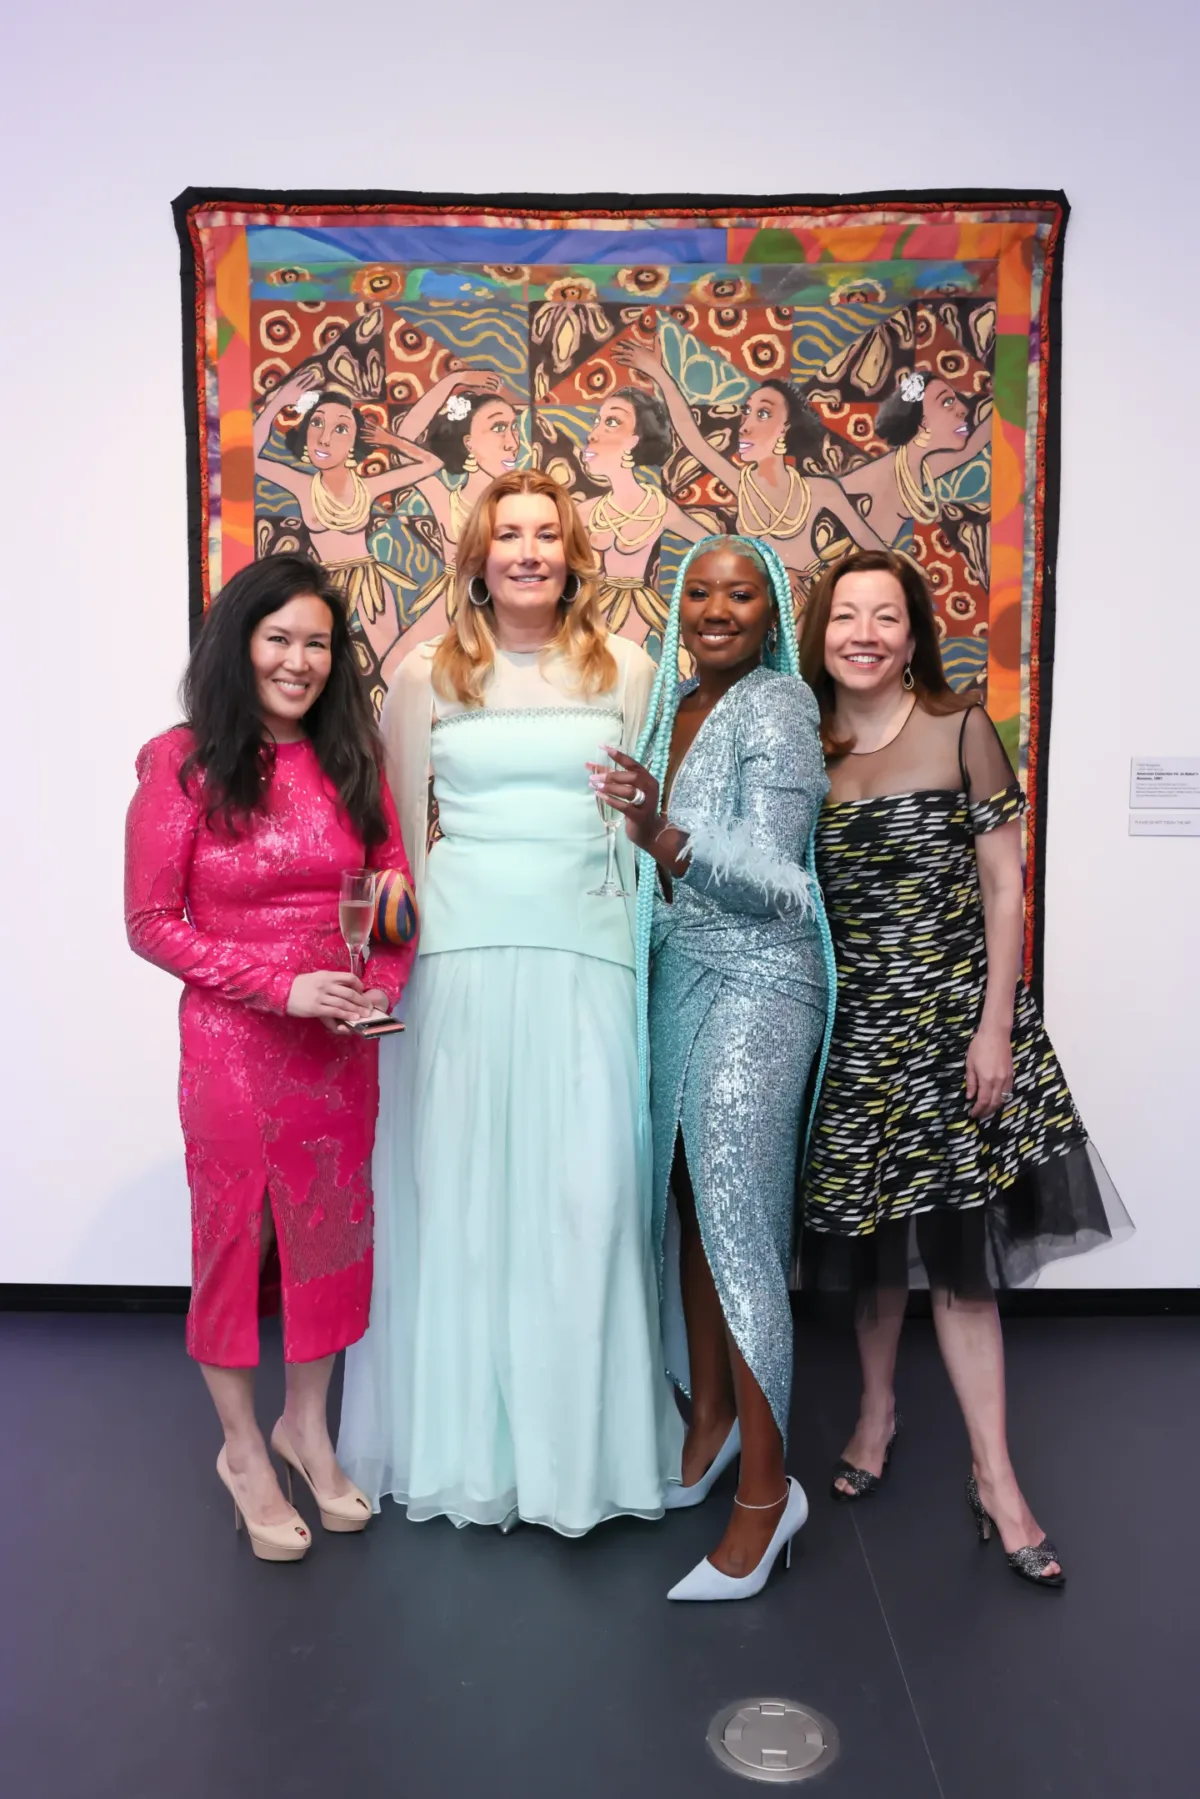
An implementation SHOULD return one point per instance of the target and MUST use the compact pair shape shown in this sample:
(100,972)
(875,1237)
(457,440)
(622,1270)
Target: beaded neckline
(476,713)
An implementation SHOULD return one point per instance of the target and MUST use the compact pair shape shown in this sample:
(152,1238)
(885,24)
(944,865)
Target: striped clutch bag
(395,908)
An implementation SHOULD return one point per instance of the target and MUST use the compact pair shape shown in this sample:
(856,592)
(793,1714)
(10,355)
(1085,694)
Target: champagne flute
(610,887)
(356,913)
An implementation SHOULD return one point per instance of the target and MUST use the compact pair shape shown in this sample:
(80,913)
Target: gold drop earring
(469,464)
(781,445)
(627,459)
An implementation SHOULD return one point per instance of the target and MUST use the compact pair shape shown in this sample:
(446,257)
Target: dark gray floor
(148,1656)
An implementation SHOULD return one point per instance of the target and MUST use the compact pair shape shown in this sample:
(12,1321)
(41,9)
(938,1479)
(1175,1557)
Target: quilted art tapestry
(869,370)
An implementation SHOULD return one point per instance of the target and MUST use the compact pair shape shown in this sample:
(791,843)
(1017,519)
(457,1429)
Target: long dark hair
(930,686)
(220,704)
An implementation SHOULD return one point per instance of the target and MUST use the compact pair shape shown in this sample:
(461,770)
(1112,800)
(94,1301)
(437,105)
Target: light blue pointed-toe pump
(677,1498)
(706,1582)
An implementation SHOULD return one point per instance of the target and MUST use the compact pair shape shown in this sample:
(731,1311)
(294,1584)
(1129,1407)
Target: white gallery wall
(108,112)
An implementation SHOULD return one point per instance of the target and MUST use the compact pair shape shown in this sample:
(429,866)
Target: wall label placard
(1164,781)
(1164,824)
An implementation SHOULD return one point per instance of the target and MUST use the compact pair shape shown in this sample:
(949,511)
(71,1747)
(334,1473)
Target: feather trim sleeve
(746,875)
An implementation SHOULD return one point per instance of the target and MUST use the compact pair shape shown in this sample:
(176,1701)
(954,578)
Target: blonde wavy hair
(467,653)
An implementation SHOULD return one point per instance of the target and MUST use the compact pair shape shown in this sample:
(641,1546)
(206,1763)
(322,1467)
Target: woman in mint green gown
(512,1367)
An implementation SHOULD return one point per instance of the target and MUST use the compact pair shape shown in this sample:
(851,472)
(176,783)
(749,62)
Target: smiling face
(291,655)
(492,438)
(613,436)
(868,640)
(526,567)
(726,610)
(330,436)
(944,416)
(763,422)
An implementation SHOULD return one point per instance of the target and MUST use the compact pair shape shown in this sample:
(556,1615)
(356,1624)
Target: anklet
(760,1508)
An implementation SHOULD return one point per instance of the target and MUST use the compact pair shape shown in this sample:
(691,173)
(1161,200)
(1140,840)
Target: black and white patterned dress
(899,1174)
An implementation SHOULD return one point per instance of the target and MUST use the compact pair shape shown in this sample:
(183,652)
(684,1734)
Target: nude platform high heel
(339,1511)
(287,1542)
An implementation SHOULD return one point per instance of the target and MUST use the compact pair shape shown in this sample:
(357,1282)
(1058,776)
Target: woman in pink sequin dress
(242,823)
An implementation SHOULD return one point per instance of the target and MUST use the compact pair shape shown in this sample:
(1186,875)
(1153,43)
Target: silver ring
(639,797)
(1007,1095)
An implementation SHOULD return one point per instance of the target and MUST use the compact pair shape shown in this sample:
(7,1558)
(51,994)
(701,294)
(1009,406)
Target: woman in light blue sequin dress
(739,996)
(512,1368)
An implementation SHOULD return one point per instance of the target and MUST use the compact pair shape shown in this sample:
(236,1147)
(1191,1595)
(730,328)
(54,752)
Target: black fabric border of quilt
(1052,471)
(237,197)
(180,207)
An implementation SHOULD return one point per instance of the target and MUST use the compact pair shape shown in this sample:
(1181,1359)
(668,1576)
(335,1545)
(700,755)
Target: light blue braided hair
(653,752)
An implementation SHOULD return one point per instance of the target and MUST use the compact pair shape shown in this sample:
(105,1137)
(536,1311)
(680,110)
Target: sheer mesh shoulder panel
(994,797)
(922,758)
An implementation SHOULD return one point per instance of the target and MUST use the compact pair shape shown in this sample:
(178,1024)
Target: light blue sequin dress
(513,1363)
(738,999)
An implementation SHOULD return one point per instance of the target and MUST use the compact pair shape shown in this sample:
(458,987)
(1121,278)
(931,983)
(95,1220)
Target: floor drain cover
(773,1739)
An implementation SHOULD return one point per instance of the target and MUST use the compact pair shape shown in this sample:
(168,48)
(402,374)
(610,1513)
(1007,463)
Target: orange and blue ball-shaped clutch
(395,908)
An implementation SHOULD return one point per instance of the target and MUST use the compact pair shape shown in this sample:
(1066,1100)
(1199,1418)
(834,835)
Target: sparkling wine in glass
(610,887)
(356,913)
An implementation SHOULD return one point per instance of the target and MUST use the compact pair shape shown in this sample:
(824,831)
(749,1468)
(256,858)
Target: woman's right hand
(632,789)
(336,999)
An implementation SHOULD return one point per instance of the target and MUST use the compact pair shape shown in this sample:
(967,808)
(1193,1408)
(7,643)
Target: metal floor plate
(773,1739)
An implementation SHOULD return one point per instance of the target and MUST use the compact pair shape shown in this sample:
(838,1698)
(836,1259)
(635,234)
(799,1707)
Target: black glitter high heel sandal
(1030,1562)
(861,1480)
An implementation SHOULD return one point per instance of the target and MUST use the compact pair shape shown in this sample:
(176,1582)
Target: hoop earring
(922,435)
(906,679)
(473,595)
(781,445)
(469,464)
(772,640)
(574,585)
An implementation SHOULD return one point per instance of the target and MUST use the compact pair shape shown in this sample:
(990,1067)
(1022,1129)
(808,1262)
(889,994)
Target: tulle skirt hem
(513,1360)
(463,1509)
(1063,1206)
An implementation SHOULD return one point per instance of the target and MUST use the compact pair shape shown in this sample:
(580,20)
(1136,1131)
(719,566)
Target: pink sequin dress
(271,1106)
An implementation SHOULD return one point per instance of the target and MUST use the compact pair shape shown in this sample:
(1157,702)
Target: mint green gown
(512,1365)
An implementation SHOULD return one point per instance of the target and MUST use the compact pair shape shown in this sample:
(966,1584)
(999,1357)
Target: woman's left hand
(630,789)
(989,1071)
(374,996)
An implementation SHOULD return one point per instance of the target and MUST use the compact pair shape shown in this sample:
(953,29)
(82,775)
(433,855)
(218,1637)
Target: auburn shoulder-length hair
(930,685)
(467,653)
